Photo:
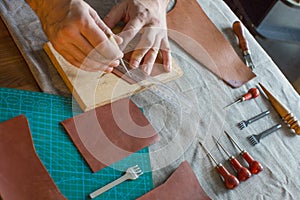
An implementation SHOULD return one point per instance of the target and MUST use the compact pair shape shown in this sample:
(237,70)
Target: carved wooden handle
(283,111)
(238,31)
(292,122)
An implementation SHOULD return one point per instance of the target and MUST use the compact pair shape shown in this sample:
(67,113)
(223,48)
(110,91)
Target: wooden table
(14,72)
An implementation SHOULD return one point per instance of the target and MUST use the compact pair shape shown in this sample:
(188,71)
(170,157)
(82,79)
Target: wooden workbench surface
(14,72)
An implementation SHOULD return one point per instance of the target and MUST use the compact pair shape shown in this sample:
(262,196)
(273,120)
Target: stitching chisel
(243,44)
(111,38)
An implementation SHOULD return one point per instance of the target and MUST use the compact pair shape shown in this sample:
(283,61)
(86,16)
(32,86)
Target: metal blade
(248,60)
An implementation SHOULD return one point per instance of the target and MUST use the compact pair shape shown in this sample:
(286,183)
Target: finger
(149,60)
(146,42)
(79,60)
(116,14)
(100,42)
(100,23)
(166,54)
(105,28)
(130,30)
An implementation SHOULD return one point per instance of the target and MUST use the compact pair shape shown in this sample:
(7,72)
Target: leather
(189,26)
(22,174)
(110,133)
(156,70)
(182,185)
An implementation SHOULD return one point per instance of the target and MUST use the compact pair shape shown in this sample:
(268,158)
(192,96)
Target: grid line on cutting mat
(57,152)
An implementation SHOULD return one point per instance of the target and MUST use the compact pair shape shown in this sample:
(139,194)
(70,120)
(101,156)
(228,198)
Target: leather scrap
(191,28)
(23,176)
(110,133)
(182,185)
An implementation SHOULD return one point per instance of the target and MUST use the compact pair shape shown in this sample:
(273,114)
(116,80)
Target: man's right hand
(78,34)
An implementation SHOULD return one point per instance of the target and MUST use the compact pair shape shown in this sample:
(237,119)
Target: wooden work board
(94,89)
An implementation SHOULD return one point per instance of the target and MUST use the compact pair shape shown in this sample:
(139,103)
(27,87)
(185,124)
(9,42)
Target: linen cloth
(202,97)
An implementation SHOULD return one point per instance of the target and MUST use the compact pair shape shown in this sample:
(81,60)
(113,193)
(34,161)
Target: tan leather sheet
(22,174)
(109,133)
(190,27)
(182,185)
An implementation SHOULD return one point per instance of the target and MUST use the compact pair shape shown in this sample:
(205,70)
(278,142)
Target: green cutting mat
(61,158)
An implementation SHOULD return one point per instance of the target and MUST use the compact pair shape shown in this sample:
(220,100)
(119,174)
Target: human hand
(78,34)
(149,18)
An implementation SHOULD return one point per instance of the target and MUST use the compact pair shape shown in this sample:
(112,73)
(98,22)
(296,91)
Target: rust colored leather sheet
(23,176)
(109,133)
(156,70)
(190,27)
(182,185)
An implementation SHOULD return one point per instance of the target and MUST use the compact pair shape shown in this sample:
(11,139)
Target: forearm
(46,8)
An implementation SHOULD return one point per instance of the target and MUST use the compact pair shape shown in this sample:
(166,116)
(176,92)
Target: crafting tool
(243,124)
(158,88)
(255,139)
(254,166)
(251,94)
(132,173)
(111,38)
(242,172)
(230,180)
(284,112)
(243,44)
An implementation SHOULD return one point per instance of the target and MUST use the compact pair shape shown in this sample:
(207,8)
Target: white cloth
(180,128)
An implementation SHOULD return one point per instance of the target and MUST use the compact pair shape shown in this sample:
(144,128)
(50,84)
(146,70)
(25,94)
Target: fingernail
(147,69)
(108,69)
(135,64)
(169,68)
(115,63)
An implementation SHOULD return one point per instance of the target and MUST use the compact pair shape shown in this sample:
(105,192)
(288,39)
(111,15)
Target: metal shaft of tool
(125,67)
(208,153)
(236,144)
(222,147)
(259,116)
(159,88)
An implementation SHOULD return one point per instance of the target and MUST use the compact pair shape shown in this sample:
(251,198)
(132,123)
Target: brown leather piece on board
(181,185)
(23,176)
(157,69)
(190,27)
(110,133)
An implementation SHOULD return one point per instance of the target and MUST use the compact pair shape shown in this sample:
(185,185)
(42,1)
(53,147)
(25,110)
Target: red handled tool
(251,94)
(242,172)
(254,166)
(230,181)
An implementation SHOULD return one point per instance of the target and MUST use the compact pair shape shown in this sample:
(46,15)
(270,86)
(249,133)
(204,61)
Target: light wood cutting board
(92,89)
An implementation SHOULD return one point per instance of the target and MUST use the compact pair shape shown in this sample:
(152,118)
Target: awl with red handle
(243,44)
(251,94)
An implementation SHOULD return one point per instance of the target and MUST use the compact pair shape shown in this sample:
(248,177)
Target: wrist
(44,8)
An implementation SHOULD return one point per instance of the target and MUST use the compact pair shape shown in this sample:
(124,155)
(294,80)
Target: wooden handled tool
(239,32)
(243,44)
(284,112)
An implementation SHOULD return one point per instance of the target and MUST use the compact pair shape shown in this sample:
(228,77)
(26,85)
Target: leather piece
(190,27)
(156,70)
(23,176)
(110,133)
(182,185)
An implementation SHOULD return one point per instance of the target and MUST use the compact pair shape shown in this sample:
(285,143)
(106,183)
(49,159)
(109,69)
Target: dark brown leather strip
(109,133)
(182,185)
(23,176)
(190,27)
